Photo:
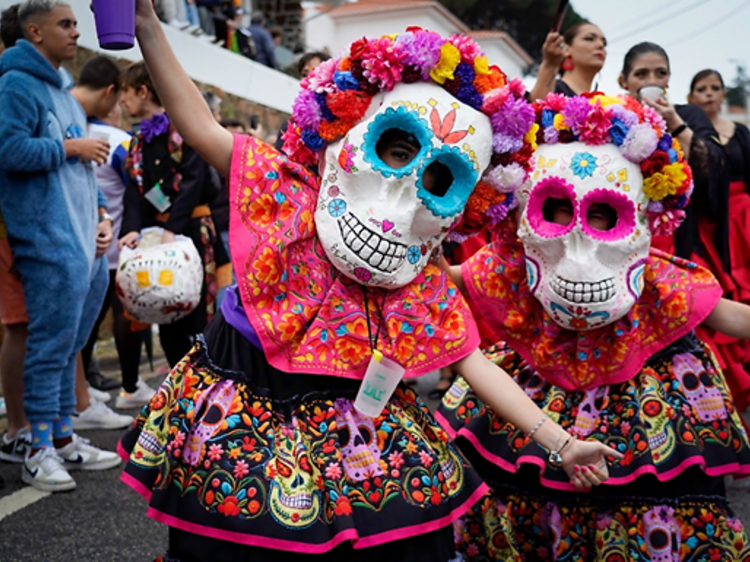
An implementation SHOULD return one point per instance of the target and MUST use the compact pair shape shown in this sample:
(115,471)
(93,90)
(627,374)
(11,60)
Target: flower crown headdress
(338,92)
(640,134)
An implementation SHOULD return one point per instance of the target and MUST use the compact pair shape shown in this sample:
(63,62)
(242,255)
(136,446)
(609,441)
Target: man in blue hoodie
(53,211)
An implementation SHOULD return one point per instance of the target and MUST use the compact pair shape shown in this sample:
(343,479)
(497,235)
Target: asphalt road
(103,520)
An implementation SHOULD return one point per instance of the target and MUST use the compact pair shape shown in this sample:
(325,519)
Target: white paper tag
(158,199)
(381,379)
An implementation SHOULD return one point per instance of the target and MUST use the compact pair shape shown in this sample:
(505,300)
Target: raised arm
(509,401)
(181,98)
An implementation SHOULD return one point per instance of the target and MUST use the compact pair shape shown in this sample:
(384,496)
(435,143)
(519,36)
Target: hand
(585,462)
(144,12)
(88,150)
(130,240)
(438,259)
(168,237)
(666,110)
(554,49)
(103,236)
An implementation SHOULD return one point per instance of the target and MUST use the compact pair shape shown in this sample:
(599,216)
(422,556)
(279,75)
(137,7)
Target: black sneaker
(14,450)
(100,382)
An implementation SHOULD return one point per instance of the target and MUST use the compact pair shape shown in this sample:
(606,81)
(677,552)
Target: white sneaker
(44,471)
(99,416)
(80,455)
(99,395)
(142,396)
(15,450)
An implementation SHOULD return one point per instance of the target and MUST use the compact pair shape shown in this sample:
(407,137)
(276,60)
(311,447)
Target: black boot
(97,380)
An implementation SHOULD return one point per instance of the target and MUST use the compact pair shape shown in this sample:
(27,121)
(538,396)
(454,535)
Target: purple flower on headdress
(665,142)
(498,212)
(575,113)
(464,73)
(655,207)
(422,50)
(514,118)
(468,94)
(306,110)
(628,117)
(503,143)
(312,139)
(345,81)
(454,236)
(551,135)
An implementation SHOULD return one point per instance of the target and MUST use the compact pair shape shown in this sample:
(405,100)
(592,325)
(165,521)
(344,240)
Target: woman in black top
(707,92)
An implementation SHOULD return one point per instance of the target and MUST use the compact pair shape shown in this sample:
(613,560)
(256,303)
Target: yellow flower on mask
(664,183)
(450,56)
(481,65)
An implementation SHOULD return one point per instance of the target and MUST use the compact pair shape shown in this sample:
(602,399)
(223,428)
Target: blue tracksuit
(49,205)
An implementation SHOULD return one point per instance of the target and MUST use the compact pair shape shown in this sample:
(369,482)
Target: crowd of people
(574,264)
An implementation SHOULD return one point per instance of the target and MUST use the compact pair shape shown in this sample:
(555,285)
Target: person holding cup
(255,446)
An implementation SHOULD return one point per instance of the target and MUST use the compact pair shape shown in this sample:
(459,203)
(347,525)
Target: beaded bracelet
(537,426)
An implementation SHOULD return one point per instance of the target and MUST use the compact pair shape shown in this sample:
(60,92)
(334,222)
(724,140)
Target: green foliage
(527,21)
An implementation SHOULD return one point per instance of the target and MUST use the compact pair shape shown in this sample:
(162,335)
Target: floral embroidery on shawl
(134,162)
(308,316)
(678,295)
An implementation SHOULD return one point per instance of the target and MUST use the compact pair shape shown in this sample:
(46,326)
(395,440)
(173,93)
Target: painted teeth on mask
(583,292)
(380,253)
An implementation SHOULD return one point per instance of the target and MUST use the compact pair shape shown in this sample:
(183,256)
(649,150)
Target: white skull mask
(585,277)
(379,224)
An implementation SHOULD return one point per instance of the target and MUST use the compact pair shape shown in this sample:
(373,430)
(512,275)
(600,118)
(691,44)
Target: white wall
(324,32)
(203,62)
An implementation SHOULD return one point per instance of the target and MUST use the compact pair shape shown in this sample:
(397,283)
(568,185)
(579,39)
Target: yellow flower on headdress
(605,100)
(530,137)
(481,65)
(450,56)
(665,183)
(559,122)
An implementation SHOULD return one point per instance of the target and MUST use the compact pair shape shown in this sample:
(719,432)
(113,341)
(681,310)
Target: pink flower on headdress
(640,142)
(555,102)
(595,129)
(494,100)
(421,50)
(382,61)
(466,46)
(295,147)
(664,224)
(516,87)
(654,119)
(514,118)
(575,113)
(321,78)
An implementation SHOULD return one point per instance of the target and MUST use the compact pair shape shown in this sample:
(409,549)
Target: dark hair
(638,50)
(572,32)
(10,26)
(307,57)
(100,73)
(233,123)
(137,75)
(705,74)
(276,32)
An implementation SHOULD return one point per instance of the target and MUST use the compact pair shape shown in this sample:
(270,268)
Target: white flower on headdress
(639,143)
(506,179)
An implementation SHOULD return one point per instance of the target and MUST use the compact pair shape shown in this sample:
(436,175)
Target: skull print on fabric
(212,408)
(662,534)
(358,441)
(585,277)
(699,387)
(379,224)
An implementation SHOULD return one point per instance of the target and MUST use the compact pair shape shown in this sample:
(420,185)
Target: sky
(696,34)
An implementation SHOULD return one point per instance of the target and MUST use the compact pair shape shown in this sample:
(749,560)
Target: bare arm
(553,53)
(730,318)
(181,98)
(509,401)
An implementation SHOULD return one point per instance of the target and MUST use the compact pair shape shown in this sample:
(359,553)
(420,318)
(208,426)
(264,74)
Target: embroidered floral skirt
(678,428)
(233,449)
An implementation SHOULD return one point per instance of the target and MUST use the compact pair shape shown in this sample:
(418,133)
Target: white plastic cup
(652,93)
(381,379)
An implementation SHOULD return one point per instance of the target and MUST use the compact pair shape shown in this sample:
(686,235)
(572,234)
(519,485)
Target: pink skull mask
(585,277)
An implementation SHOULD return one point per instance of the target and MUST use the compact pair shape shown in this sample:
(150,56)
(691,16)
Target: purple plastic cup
(115,23)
